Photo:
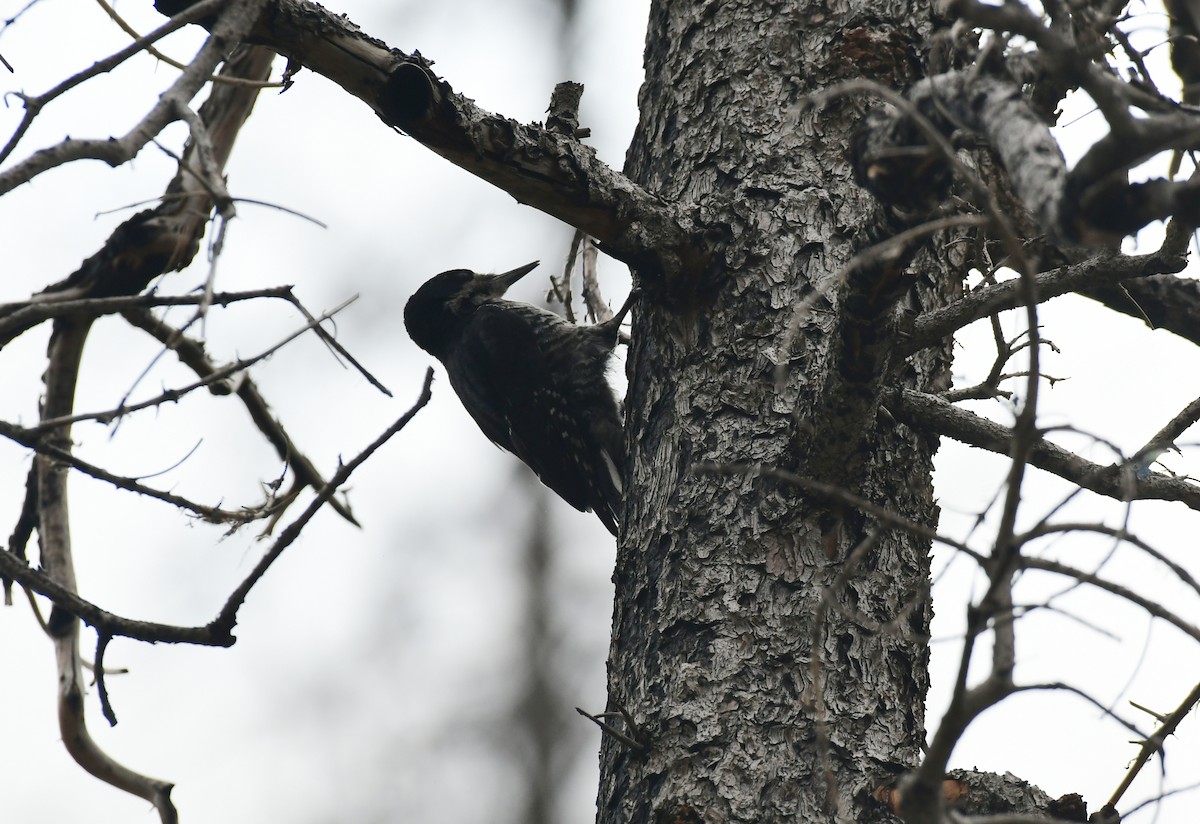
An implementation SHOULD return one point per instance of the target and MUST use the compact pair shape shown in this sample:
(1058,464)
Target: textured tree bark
(770,646)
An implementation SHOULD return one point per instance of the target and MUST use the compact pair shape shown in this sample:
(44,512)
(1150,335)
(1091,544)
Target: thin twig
(172,395)
(34,104)
(40,444)
(227,618)
(609,729)
(191,353)
(233,24)
(1155,742)
(216,78)
(102,639)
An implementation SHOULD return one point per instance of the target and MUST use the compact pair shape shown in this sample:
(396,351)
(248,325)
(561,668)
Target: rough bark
(770,646)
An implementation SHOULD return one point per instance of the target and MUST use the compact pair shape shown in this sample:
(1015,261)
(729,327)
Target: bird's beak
(507,279)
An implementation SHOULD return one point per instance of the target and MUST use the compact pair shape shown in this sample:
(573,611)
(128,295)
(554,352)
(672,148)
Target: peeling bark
(735,645)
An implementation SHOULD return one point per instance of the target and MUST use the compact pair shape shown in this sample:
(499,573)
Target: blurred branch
(1160,301)
(1120,534)
(1152,607)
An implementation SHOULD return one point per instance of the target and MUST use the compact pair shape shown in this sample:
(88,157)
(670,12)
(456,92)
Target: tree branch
(192,354)
(1155,742)
(228,615)
(1103,270)
(46,445)
(219,632)
(552,172)
(37,581)
(66,349)
(1119,482)
(230,27)
(1161,301)
(34,104)
(18,318)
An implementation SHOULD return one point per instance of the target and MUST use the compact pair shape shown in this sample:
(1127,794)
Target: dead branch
(66,349)
(47,446)
(172,395)
(1118,482)
(1106,268)
(35,103)
(219,632)
(552,172)
(191,353)
(228,615)
(1155,742)
(18,318)
(232,25)
(1149,605)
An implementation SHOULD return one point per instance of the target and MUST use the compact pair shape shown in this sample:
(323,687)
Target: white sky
(366,657)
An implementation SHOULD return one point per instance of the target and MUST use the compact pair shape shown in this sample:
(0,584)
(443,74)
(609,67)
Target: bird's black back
(534,384)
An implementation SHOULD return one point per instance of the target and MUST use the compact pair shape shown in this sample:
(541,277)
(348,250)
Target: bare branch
(217,78)
(192,354)
(46,446)
(106,709)
(37,581)
(552,172)
(1107,268)
(1152,607)
(23,531)
(66,348)
(1155,742)
(1112,95)
(560,288)
(1118,482)
(228,615)
(1121,534)
(231,26)
(18,318)
(34,105)
(219,632)
(173,395)
(1165,438)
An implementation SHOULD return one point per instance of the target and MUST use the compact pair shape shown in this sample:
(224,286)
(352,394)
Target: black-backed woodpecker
(534,383)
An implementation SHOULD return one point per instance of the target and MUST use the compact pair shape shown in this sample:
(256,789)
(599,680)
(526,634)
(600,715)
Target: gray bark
(770,645)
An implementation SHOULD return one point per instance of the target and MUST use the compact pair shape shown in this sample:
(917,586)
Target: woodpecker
(534,383)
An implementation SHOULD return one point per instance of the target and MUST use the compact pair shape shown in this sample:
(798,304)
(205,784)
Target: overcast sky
(371,663)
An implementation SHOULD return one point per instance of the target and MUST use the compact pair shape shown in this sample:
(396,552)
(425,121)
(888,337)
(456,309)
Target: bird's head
(449,298)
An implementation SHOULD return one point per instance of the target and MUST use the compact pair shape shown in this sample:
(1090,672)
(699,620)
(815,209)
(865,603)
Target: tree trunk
(770,645)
